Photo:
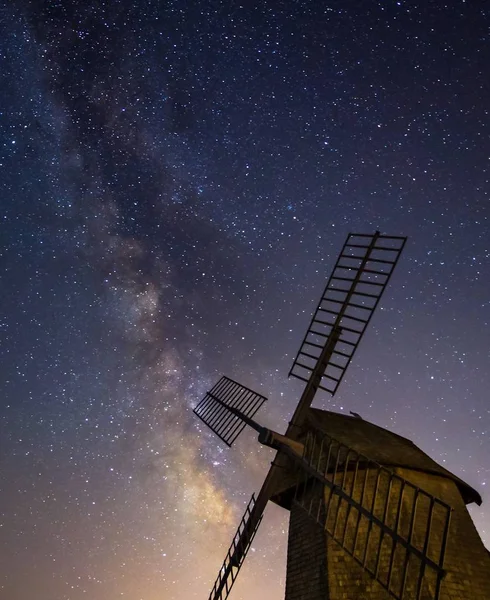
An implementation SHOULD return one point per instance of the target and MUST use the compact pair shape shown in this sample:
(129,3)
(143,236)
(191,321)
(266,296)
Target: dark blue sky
(176,182)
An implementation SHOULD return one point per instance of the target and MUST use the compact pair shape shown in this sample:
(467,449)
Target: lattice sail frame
(396,531)
(213,408)
(358,280)
(229,570)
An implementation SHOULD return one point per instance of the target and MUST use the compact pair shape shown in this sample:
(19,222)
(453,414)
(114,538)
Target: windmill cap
(383,446)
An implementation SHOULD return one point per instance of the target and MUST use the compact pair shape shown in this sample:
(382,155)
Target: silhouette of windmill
(371,515)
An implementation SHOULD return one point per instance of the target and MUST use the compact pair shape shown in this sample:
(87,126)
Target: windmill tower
(372,517)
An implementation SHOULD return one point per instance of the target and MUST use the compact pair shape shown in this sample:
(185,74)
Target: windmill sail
(352,293)
(396,531)
(228,407)
(237,552)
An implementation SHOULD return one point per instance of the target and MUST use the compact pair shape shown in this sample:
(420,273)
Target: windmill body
(343,555)
(372,517)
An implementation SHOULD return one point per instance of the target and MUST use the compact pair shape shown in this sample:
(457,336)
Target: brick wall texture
(319,568)
(307,558)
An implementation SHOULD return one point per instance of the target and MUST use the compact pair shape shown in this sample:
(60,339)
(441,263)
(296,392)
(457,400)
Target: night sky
(177,180)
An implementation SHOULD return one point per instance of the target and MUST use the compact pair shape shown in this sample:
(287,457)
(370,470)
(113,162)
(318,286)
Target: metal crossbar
(396,531)
(214,411)
(352,293)
(239,547)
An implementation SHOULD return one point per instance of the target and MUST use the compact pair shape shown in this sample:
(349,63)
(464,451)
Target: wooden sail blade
(396,531)
(237,551)
(353,291)
(228,407)
(250,523)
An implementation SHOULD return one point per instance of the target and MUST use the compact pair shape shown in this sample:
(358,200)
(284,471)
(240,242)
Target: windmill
(371,515)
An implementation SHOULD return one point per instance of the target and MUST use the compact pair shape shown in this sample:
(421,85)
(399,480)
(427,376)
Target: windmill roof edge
(383,446)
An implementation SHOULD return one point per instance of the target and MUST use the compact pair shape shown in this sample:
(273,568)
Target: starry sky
(177,180)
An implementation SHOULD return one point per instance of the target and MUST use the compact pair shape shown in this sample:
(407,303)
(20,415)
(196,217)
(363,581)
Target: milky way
(177,180)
